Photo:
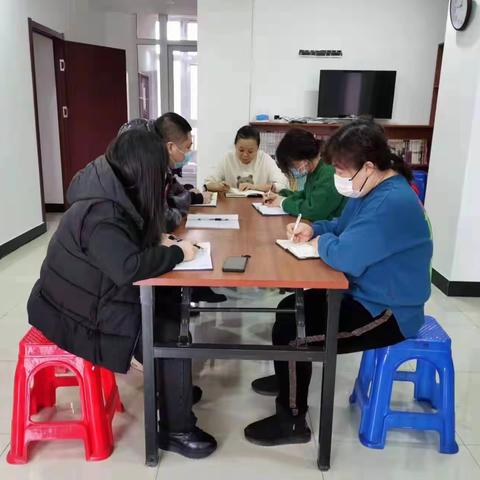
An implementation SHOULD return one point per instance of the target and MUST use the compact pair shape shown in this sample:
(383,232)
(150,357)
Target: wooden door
(96,102)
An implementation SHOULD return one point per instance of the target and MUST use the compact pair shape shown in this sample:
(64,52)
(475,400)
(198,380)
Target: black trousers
(353,316)
(173,376)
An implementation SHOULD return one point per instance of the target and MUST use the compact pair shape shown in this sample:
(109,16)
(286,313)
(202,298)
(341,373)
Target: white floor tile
(398,462)
(7,371)
(229,404)
(467,402)
(475,452)
(4,444)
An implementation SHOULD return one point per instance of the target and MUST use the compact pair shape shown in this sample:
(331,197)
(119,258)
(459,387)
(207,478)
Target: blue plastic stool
(378,370)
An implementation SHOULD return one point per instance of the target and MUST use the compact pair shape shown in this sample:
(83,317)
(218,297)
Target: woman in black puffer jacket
(110,237)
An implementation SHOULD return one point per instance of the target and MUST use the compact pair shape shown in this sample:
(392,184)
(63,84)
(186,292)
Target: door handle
(65,111)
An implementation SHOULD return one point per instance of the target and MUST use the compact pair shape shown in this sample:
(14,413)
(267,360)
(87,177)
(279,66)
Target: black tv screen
(344,93)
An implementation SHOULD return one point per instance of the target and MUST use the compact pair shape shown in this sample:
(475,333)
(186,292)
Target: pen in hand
(295,227)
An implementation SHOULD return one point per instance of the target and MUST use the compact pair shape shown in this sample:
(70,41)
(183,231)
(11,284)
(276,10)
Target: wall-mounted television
(344,93)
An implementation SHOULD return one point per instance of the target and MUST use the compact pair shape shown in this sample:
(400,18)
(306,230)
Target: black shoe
(278,430)
(193,444)
(196,394)
(266,386)
(206,294)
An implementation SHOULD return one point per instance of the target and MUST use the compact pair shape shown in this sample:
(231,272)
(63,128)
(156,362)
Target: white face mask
(344,186)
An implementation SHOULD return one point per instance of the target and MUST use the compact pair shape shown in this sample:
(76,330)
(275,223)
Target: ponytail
(398,164)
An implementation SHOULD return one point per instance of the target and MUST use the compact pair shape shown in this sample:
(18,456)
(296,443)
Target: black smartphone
(235,264)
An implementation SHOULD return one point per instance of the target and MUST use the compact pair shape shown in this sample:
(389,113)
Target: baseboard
(455,289)
(21,240)
(54,207)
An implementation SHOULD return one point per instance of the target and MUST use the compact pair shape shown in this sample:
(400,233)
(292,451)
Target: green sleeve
(318,201)
(286,192)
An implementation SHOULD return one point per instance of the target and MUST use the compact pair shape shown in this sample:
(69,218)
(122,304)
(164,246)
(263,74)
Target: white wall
(20,202)
(249,62)
(48,119)
(177,7)
(453,194)
(224,77)
(374,35)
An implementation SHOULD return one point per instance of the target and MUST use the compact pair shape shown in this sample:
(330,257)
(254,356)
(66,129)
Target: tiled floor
(229,405)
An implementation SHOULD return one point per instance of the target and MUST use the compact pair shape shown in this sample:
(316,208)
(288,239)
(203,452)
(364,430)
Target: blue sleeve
(324,226)
(365,241)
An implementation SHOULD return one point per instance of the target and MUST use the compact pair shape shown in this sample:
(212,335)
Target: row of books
(270,140)
(414,152)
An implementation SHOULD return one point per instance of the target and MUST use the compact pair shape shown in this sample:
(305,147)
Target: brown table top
(269,265)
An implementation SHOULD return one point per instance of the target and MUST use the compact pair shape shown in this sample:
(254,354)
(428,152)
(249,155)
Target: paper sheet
(267,210)
(213,202)
(202,261)
(236,193)
(218,222)
(300,250)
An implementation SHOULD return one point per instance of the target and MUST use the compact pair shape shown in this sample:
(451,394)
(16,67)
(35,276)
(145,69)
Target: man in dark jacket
(85,301)
(175,132)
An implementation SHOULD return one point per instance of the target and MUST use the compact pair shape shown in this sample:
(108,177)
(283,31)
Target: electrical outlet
(321,53)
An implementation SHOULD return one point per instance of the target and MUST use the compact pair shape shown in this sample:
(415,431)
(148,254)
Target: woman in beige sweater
(247,167)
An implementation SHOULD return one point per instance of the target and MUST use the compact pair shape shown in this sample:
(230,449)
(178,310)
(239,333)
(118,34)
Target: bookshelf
(412,142)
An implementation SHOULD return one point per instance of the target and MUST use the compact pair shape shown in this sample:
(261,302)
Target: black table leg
(147,299)
(328,380)
(184,337)
(300,315)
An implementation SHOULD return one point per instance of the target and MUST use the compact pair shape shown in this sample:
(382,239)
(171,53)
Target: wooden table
(269,267)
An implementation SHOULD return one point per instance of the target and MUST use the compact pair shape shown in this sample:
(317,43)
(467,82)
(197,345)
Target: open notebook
(300,250)
(202,261)
(236,193)
(213,202)
(267,210)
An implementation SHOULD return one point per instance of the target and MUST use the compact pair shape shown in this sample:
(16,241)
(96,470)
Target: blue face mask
(187,157)
(296,173)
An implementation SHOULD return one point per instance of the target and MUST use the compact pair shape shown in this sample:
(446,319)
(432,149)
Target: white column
(453,192)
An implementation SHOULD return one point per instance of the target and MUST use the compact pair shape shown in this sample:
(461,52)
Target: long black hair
(247,133)
(139,159)
(364,141)
(297,144)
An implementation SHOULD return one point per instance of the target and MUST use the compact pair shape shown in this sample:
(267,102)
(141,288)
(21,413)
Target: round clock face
(459,13)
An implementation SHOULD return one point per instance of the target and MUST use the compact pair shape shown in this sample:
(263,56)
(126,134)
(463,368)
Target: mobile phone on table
(235,264)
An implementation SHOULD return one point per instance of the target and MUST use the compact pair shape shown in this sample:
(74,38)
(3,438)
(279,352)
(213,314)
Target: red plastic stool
(44,364)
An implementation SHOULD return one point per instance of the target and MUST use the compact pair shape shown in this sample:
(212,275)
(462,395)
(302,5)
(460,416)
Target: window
(192,31)
(149,94)
(174,30)
(148,26)
(181,28)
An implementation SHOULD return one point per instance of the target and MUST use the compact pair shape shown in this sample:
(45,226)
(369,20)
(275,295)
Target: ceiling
(169,7)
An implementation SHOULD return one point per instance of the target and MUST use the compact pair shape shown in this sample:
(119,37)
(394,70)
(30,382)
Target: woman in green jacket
(299,154)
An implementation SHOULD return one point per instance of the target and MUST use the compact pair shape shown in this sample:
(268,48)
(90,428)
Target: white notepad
(267,210)
(213,202)
(202,261)
(236,193)
(218,222)
(301,250)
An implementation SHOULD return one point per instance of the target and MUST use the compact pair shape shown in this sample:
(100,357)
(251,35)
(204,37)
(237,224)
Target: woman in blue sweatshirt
(382,243)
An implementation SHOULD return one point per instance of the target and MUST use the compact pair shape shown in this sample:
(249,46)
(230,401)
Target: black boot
(266,386)
(206,294)
(193,444)
(280,429)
